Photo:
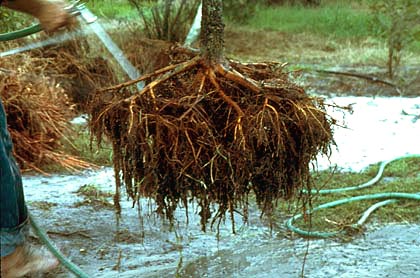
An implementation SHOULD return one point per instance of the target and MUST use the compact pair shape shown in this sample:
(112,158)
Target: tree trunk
(212,29)
(390,62)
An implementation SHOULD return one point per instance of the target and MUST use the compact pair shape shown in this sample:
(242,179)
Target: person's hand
(53,15)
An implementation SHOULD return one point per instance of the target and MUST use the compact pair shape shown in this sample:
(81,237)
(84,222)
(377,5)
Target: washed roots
(213,133)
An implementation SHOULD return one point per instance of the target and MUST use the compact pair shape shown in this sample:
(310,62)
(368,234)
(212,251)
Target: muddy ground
(88,234)
(84,226)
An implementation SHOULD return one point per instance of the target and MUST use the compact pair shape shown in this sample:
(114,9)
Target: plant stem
(212,30)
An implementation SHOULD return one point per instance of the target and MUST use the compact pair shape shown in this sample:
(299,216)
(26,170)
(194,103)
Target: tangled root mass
(213,133)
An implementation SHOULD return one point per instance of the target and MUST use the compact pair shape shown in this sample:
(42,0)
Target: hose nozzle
(76,8)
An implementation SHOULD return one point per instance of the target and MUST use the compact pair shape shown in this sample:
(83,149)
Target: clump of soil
(214,133)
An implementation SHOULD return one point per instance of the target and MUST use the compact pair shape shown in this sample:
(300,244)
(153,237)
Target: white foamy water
(377,130)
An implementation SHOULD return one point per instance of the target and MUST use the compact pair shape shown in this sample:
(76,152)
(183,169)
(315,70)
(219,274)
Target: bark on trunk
(212,29)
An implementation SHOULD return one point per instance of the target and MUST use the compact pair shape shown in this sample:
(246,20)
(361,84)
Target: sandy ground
(87,232)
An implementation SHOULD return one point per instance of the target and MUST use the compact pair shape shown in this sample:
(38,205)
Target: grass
(112,9)
(94,197)
(332,20)
(399,176)
(83,148)
(337,32)
(337,19)
(12,20)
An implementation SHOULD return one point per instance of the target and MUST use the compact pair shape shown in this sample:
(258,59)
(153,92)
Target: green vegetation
(92,191)
(11,20)
(333,33)
(112,9)
(399,176)
(399,23)
(168,20)
(333,20)
(94,197)
(79,143)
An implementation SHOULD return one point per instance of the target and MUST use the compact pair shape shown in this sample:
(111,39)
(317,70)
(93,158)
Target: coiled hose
(387,197)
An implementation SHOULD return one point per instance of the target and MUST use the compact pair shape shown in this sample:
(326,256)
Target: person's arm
(51,15)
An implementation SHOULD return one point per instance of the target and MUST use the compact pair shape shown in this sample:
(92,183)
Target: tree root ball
(213,133)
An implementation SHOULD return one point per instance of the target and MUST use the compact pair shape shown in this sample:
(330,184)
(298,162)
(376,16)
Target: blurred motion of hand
(51,14)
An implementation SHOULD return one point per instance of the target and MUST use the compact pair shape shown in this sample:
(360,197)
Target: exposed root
(38,116)
(213,133)
(236,77)
(177,70)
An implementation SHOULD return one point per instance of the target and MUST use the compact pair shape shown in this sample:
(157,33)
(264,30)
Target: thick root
(214,133)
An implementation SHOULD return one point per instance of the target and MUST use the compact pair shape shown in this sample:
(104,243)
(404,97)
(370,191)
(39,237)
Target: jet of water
(50,41)
(95,28)
(119,56)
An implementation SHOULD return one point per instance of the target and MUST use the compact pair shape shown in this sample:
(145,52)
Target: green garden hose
(37,229)
(63,260)
(21,33)
(73,9)
(390,197)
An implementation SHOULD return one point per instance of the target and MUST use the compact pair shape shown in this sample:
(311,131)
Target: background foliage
(394,23)
(10,20)
(398,22)
(167,19)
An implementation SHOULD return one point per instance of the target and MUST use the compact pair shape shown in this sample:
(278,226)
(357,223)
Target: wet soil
(147,247)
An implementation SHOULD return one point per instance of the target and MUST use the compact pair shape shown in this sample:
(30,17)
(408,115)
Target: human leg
(13,212)
(17,257)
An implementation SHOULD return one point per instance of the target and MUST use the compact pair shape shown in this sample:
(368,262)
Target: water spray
(85,16)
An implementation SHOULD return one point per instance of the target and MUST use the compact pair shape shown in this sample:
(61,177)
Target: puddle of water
(150,249)
(378,130)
